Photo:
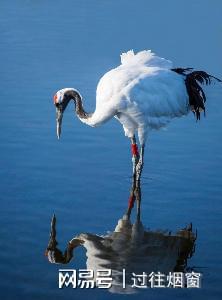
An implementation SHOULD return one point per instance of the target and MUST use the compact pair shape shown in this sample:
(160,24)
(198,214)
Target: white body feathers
(142,93)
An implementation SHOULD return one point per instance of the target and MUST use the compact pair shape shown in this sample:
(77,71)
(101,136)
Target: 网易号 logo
(86,278)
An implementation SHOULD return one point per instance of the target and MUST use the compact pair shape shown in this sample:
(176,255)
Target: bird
(143,93)
(129,245)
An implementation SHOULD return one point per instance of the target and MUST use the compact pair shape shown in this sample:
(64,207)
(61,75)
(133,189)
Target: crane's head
(61,100)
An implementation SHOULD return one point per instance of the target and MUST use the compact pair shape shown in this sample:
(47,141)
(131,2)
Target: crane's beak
(59,115)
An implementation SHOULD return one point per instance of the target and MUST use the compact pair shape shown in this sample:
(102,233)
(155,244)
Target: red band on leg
(131,202)
(134,149)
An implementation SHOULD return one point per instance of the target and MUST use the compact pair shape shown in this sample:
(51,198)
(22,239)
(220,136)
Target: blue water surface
(85,177)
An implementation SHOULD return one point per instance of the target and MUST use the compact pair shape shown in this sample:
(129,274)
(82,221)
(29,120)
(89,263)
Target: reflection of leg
(139,166)
(137,194)
(137,229)
(135,154)
(131,198)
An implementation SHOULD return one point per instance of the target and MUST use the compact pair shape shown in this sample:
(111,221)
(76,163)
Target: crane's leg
(139,166)
(135,154)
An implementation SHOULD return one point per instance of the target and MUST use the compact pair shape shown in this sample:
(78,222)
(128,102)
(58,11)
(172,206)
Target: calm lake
(85,178)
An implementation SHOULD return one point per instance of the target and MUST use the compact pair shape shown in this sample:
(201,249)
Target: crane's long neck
(97,118)
(80,111)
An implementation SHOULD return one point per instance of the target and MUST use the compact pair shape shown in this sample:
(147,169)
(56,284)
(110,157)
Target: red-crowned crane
(143,93)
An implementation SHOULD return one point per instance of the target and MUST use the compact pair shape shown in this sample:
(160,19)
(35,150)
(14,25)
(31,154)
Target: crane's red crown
(56,99)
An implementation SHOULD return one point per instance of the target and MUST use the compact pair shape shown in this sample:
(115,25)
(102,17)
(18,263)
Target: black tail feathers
(195,92)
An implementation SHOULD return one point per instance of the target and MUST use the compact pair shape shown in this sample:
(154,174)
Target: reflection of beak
(59,115)
(52,240)
(53,226)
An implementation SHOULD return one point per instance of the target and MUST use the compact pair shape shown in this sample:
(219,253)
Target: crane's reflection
(129,246)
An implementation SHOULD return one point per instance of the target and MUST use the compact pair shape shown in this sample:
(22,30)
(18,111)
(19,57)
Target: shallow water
(85,178)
